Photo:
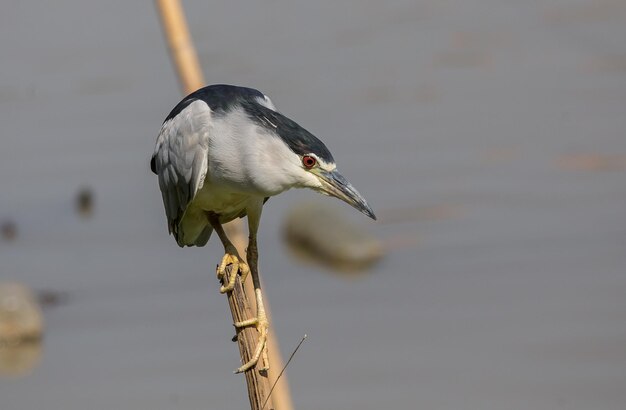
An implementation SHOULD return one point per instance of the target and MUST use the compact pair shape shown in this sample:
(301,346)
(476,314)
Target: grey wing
(180,159)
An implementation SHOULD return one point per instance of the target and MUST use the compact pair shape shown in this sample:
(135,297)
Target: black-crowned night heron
(220,154)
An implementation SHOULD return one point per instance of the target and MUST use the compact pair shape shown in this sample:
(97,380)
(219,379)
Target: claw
(238,266)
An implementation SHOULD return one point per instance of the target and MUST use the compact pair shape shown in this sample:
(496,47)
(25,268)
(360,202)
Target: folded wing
(180,159)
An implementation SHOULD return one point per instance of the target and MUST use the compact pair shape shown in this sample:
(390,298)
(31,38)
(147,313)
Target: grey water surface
(511,113)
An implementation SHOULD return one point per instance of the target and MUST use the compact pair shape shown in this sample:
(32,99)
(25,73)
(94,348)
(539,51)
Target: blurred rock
(8,230)
(597,11)
(592,162)
(85,201)
(51,298)
(21,321)
(19,360)
(613,63)
(322,234)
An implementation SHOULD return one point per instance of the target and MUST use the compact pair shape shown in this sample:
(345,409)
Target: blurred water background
(509,113)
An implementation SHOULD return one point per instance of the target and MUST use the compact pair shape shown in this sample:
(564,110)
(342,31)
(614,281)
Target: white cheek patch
(327,166)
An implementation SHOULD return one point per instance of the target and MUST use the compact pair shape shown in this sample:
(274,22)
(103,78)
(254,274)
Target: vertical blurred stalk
(190,76)
(181,47)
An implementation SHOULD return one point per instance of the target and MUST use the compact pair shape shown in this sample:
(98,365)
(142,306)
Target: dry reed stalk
(181,47)
(258,384)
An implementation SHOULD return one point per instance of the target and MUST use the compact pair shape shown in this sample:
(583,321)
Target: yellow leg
(230,257)
(260,322)
(262,325)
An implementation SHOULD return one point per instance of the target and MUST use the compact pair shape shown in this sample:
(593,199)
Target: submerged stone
(85,202)
(323,234)
(21,320)
(8,229)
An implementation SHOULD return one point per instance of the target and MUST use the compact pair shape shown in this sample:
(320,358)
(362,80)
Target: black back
(222,97)
(219,98)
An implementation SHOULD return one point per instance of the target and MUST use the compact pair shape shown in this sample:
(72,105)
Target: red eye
(308,162)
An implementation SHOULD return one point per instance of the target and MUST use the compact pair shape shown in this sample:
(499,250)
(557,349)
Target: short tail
(199,240)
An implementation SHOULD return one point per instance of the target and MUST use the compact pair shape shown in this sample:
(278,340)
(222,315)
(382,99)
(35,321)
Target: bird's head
(325,179)
(304,159)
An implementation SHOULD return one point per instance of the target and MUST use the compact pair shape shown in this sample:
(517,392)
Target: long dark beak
(334,184)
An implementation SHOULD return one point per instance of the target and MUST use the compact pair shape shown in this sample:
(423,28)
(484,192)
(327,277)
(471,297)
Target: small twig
(283,370)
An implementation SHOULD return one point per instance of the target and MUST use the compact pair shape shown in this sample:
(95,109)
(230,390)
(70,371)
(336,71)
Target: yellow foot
(238,265)
(262,325)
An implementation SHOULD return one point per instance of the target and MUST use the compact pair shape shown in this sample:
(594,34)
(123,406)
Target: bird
(220,154)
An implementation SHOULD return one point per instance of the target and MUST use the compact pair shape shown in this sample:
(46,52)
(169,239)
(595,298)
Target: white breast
(246,158)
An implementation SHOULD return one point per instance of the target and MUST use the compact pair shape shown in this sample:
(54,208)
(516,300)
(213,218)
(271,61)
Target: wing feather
(180,159)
